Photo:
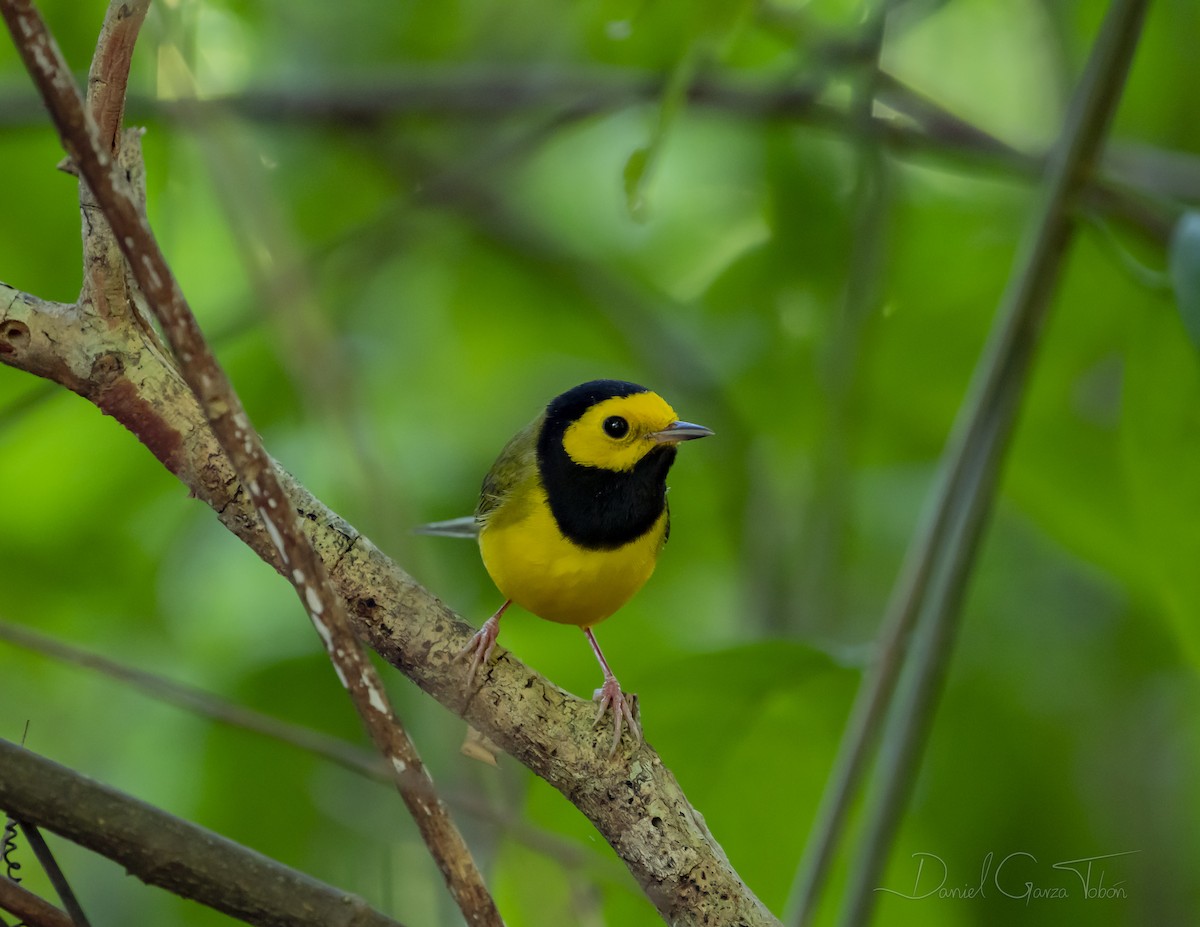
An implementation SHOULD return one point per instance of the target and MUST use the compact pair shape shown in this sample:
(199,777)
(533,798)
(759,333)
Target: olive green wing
(510,486)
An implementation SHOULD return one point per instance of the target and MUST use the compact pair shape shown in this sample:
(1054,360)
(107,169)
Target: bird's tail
(465,527)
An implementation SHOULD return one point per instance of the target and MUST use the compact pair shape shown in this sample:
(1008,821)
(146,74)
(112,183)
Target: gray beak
(679,431)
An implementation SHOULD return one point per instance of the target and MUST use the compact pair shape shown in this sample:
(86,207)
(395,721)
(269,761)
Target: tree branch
(926,128)
(106,178)
(638,808)
(1129,187)
(166,851)
(633,800)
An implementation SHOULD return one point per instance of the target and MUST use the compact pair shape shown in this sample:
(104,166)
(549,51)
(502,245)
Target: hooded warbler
(573,514)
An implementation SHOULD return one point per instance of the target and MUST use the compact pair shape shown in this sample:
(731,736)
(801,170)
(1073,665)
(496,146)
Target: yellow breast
(534,565)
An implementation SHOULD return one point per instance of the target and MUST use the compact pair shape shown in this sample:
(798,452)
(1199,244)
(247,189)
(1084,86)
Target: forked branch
(197,430)
(105,177)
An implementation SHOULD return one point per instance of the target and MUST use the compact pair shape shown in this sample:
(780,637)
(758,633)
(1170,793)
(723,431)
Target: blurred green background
(406,226)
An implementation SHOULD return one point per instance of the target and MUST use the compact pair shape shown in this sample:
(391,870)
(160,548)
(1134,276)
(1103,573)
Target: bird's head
(612,425)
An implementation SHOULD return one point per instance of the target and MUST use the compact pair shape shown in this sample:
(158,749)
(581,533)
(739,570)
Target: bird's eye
(616,427)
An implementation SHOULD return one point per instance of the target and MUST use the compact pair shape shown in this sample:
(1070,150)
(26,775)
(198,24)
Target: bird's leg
(611,697)
(480,646)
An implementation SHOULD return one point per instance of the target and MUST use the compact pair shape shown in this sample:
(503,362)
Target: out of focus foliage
(406,226)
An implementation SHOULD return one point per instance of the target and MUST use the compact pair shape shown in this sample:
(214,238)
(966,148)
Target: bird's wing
(514,472)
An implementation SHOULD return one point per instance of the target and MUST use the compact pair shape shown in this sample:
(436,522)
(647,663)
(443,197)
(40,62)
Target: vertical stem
(861,297)
(936,575)
(55,874)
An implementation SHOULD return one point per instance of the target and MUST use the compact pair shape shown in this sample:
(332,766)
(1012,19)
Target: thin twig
(32,910)
(934,577)
(167,851)
(243,446)
(939,123)
(331,749)
(105,283)
(861,297)
(822,548)
(108,78)
(54,873)
(201,703)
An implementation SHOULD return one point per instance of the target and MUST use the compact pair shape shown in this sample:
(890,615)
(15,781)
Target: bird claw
(609,696)
(480,646)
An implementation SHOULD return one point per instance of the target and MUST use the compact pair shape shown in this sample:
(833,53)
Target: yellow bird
(573,514)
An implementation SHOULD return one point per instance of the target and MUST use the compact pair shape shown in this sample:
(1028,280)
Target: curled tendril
(8,846)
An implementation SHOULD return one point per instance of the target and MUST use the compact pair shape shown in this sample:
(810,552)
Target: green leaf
(674,97)
(635,171)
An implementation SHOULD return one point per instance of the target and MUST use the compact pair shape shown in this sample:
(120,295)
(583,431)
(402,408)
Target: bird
(572,517)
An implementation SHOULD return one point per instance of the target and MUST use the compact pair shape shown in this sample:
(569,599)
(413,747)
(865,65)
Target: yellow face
(616,433)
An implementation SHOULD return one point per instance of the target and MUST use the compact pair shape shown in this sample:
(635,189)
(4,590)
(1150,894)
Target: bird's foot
(480,646)
(610,697)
